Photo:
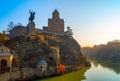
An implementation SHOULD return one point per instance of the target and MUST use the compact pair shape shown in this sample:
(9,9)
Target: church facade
(55,26)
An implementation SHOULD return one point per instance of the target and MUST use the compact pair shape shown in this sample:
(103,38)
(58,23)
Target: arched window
(3,65)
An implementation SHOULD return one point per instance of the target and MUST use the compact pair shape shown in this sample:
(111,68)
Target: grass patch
(73,76)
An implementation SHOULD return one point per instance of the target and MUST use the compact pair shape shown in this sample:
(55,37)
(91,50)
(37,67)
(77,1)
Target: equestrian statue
(32,16)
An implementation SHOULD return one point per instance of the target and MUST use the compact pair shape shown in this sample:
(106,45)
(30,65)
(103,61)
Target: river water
(99,73)
(95,73)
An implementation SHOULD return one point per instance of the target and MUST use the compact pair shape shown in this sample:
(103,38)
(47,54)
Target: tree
(19,24)
(61,69)
(10,26)
(3,37)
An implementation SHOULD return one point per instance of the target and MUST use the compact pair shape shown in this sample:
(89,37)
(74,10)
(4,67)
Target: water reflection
(112,65)
(101,70)
(99,73)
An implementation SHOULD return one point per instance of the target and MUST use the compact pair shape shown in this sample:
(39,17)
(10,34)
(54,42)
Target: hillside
(107,55)
(31,49)
(111,50)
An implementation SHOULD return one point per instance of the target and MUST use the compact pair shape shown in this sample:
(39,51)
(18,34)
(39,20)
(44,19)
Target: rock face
(30,49)
(69,49)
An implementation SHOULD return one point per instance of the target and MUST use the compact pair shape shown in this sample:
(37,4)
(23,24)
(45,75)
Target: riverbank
(72,76)
(29,74)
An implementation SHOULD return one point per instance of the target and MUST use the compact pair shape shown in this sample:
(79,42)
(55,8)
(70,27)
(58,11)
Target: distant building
(69,31)
(45,28)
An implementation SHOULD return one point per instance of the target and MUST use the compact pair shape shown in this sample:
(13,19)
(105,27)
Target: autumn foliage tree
(3,37)
(61,69)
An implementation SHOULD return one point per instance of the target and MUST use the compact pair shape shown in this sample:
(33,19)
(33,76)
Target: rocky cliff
(31,49)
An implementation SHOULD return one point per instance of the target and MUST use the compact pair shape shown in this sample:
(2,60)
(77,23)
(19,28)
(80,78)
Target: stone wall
(27,72)
(50,32)
(7,76)
(18,30)
(56,25)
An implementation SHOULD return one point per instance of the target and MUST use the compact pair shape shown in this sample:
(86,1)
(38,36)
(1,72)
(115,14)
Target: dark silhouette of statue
(32,15)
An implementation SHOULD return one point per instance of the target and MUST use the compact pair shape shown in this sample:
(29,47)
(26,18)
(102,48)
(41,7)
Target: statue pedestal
(31,28)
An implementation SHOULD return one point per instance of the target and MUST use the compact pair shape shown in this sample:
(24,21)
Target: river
(99,73)
(95,73)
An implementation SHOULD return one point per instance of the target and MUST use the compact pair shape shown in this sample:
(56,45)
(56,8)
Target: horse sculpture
(32,15)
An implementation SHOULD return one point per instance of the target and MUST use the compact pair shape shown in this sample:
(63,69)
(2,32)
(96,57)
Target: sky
(93,22)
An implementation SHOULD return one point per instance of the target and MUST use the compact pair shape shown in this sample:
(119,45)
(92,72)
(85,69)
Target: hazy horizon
(93,22)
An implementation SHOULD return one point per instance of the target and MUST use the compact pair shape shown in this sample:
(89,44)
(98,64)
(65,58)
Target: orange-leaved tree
(3,37)
(61,69)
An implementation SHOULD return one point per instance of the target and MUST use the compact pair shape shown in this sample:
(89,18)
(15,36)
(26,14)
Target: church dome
(55,14)
(42,62)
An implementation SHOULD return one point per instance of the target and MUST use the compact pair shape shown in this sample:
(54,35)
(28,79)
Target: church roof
(4,51)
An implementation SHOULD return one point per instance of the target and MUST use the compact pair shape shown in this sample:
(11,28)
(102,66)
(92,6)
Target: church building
(56,24)
(5,59)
